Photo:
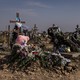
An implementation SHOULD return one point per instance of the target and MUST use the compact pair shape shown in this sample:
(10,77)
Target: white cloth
(19,24)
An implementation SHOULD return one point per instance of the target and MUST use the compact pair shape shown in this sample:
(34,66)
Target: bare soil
(38,73)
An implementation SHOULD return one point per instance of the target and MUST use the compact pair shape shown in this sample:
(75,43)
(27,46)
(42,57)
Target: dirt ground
(38,73)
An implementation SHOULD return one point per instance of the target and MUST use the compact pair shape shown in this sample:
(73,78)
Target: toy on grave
(22,40)
(20,48)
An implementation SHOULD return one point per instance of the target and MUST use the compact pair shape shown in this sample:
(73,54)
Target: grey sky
(44,13)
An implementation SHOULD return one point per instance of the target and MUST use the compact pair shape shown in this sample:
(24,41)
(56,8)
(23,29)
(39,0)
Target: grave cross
(17,19)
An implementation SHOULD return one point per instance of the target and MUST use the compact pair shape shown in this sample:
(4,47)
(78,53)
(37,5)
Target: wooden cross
(18,19)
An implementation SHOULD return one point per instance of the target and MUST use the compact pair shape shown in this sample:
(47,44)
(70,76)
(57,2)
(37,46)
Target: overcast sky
(44,13)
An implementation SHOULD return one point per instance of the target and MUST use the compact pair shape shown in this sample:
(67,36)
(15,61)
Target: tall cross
(17,19)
